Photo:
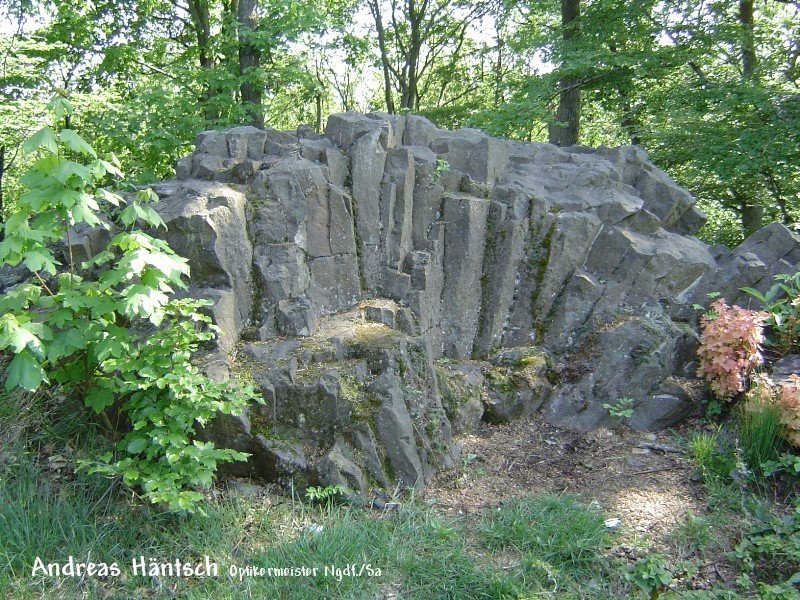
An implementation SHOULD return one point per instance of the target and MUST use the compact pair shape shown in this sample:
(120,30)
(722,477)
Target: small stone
(636,464)
(246,488)
(640,451)
(315,528)
(612,523)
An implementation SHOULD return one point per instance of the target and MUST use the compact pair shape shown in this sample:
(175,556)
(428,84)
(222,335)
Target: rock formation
(387,284)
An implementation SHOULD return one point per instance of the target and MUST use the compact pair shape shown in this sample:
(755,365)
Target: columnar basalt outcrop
(388,283)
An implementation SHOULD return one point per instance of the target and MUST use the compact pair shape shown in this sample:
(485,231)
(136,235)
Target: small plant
(771,549)
(713,408)
(714,460)
(622,409)
(730,347)
(708,312)
(782,303)
(759,432)
(693,533)
(325,495)
(652,574)
(442,168)
(790,463)
(788,399)
(785,398)
(321,494)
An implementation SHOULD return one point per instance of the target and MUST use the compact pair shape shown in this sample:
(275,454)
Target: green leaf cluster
(109,330)
(782,302)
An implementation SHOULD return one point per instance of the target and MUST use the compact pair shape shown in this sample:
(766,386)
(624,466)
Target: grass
(559,541)
(538,546)
(421,552)
(554,542)
(713,455)
(693,536)
(759,435)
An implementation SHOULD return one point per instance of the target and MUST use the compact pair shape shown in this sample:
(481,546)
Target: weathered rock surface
(388,283)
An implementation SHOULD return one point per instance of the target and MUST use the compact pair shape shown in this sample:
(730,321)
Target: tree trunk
(565,131)
(198,9)
(410,96)
(777,195)
(752,218)
(249,60)
(630,119)
(752,215)
(375,9)
(201,21)
(746,22)
(498,70)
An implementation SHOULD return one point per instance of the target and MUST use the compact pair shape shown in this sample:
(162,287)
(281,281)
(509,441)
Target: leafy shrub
(109,333)
(782,303)
(770,551)
(652,574)
(730,347)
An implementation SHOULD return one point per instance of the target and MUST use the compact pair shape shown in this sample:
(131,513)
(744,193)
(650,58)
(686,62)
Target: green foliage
(759,435)
(782,303)
(723,225)
(652,574)
(320,494)
(442,168)
(790,463)
(770,550)
(325,495)
(109,332)
(558,536)
(712,455)
(621,409)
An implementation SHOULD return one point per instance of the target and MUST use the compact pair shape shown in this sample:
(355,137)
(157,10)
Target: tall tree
(752,212)
(249,59)
(565,130)
(415,37)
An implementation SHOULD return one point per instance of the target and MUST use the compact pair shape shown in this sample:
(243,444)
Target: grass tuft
(759,435)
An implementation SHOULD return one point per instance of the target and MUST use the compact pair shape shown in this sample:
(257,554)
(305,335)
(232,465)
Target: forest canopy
(708,88)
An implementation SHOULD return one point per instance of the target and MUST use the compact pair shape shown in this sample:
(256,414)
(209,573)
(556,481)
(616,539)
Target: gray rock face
(206,223)
(788,365)
(359,395)
(547,279)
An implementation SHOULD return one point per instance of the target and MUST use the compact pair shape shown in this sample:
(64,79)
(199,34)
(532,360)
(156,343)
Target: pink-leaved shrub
(788,399)
(730,347)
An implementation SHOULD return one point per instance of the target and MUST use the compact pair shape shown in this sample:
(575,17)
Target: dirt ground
(643,479)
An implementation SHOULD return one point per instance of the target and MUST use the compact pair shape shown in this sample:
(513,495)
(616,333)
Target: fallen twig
(660,447)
